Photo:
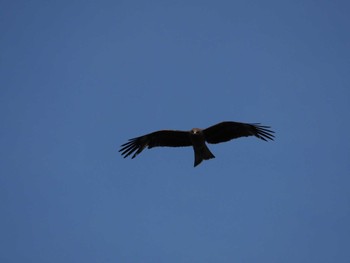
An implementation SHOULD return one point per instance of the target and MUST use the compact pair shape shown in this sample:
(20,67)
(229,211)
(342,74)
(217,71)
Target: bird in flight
(197,138)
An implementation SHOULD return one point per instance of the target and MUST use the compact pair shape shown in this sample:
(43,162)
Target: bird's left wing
(170,138)
(228,130)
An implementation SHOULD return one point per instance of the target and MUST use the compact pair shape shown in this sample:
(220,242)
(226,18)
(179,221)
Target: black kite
(221,132)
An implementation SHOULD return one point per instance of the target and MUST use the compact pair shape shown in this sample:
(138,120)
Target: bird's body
(196,138)
(201,150)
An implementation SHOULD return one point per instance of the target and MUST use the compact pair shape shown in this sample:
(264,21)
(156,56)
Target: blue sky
(79,78)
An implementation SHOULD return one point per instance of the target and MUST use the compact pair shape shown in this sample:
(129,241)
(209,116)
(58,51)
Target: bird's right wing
(170,138)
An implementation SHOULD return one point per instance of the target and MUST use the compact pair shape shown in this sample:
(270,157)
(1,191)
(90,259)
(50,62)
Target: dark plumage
(221,132)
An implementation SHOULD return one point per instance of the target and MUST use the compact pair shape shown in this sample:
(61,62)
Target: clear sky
(79,78)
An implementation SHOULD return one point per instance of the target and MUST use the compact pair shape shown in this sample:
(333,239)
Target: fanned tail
(201,154)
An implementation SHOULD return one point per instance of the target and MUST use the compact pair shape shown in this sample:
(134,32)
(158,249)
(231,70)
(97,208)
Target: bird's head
(196,131)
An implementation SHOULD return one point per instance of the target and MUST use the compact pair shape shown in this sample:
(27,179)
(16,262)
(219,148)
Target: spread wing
(168,138)
(226,131)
